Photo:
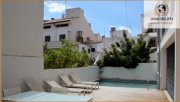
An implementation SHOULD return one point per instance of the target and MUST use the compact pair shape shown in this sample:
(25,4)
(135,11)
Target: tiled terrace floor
(120,94)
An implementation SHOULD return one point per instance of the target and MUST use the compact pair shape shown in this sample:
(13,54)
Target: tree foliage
(67,56)
(128,53)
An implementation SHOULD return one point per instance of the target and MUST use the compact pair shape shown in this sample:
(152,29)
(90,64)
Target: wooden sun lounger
(11,91)
(68,83)
(33,85)
(79,81)
(56,87)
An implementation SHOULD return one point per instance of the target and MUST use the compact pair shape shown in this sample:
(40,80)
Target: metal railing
(97,59)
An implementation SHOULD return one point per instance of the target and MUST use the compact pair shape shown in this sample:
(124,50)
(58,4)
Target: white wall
(90,73)
(81,46)
(0,47)
(22,27)
(15,69)
(177,58)
(144,71)
(177,67)
(22,41)
(98,46)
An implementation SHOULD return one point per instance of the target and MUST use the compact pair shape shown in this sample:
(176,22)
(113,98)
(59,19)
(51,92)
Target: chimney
(74,12)
(113,29)
(103,37)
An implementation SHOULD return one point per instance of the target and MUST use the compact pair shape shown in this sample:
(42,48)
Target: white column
(177,67)
(177,55)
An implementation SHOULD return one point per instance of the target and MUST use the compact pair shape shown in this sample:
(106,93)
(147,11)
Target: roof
(56,21)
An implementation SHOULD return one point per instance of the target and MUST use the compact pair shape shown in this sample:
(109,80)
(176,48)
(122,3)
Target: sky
(102,14)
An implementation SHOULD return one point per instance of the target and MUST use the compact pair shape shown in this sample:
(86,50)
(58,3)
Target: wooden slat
(120,94)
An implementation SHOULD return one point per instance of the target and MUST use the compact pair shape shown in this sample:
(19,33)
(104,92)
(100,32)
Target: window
(153,42)
(62,25)
(79,36)
(47,27)
(88,39)
(93,50)
(79,33)
(62,37)
(47,38)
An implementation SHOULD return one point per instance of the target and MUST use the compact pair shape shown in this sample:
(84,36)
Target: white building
(107,42)
(168,55)
(168,52)
(115,36)
(118,33)
(73,27)
(96,49)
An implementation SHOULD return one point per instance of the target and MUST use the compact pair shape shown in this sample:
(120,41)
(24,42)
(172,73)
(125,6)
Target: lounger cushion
(52,83)
(59,90)
(75,78)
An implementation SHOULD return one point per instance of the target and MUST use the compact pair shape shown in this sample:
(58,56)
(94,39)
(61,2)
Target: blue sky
(102,14)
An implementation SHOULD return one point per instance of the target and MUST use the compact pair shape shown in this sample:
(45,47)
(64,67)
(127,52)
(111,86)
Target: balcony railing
(53,44)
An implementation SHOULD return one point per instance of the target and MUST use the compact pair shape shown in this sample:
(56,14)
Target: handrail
(97,59)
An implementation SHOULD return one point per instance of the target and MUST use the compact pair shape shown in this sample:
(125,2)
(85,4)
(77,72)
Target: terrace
(122,94)
(108,93)
(23,57)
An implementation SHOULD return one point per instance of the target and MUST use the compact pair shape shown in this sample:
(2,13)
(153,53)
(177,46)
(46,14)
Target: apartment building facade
(115,36)
(73,27)
(167,53)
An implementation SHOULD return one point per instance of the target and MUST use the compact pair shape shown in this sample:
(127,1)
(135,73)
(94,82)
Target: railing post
(148,85)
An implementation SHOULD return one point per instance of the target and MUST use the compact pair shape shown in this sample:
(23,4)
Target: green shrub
(128,53)
(67,56)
